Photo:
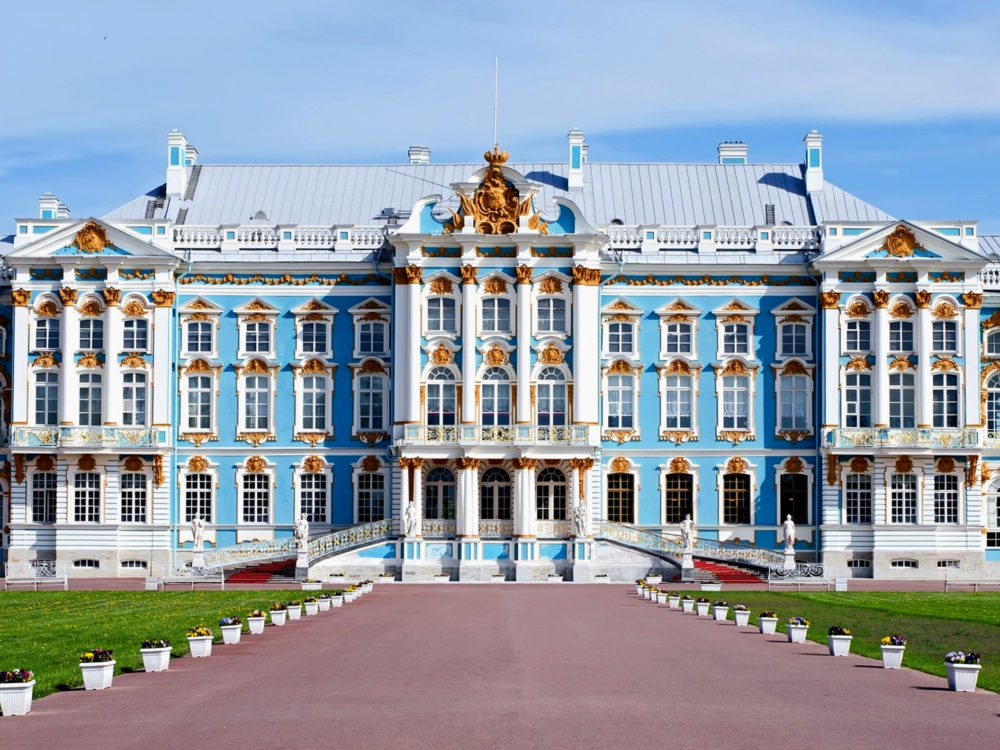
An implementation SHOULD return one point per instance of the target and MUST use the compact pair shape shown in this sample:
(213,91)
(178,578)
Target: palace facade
(543,357)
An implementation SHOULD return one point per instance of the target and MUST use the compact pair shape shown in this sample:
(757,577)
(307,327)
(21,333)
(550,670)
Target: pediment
(795,306)
(621,305)
(900,241)
(736,307)
(370,305)
(91,238)
(202,305)
(677,307)
(256,305)
(314,306)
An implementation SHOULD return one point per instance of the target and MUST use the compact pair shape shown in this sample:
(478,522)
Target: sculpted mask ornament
(945,310)
(858,309)
(496,356)
(620,465)
(881,298)
(441,285)
(736,465)
(859,465)
(679,465)
(550,355)
(900,243)
(91,239)
(197,464)
(256,464)
(442,355)
(313,464)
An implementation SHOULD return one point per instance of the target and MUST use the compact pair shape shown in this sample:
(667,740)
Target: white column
(525,515)
(401,343)
(924,408)
(21,390)
(112,372)
(585,362)
(524,415)
(67,380)
(404,493)
(972,385)
(162,357)
(469,415)
(881,346)
(580,480)
(413,414)
(417,492)
(467,502)
(831,363)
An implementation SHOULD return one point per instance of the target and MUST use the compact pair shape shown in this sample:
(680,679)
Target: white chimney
(419,155)
(191,155)
(177,147)
(732,152)
(577,158)
(814,161)
(50,207)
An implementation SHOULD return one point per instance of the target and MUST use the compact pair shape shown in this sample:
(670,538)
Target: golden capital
(525,463)
(881,298)
(469,274)
(163,298)
(407,274)
(523,274)
(972,300)
(20,297)
(586,276)
(68,296)
(466,462)
(923,298)
(112,296)
(829,300)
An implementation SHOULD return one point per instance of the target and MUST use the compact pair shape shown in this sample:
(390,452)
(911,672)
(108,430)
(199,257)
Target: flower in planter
(768,613)
(12,676)
(310,599)
(311,580)
(720,603)
(740,608)
(277,607)
(234,620)
(257,613)
(962,657)
(155,643)
(674,593)
(798,621)
(837,630)
(294,603)
(322,596)
(894,640)
(199,631)
(702,600)
(96,655)
(688,597)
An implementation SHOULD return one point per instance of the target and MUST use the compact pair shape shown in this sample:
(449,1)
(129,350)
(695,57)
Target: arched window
(494,495)
(621,498)
(944,396)
(440,397)
(678,497)
(439,495)
(993,404)
(551,398)
(736,498)
(550,494)
(133,497)
(496,398)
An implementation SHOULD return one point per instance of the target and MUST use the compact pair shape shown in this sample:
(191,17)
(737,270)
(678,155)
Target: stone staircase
(274,571)
(725,573)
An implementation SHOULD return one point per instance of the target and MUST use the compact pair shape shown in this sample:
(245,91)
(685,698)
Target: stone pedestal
(198,559)
(687,565)
(302,565)
(412,552)
(583,559)
(789,560)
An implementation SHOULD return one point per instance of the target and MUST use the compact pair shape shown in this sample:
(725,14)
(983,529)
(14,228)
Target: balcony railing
(88,437)
(472,434)
(725,238)
(921,437)
(496,529)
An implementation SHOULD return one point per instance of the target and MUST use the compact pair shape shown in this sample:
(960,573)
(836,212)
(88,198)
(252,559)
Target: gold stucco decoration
(495,207)
(91,238)
(256,464)
(736,465)
(496,285)
(550,355)
(441,285)
(829,300)
(904,465)
(900,243)
(197,464)
(679,465)
(858,309)
(793,465)
(620,465)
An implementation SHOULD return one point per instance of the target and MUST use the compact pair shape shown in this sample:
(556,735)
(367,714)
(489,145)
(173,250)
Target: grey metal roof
(989,244)
(633,193)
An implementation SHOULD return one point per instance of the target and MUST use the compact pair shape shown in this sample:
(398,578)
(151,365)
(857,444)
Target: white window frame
(959,397)
(455,294)
(691,469)
(35,372)
(913,336)
(357,469)
(791,313)
(376,312)
(29,494)
(91,320)
(313,368)
(957,323)
(369,368)
(781,470)
(720,472)
(960,514)
(147,473)
(327,473)
(794,368)
(987,334)
(71,505)
(212,332)
(375,320)
(136,321)
(678,311)
(846,472)
(735,312)
(679,368)
(200,368)
(254,370)
(537,295)
(844,387)
(625,368)
(269,472)
(918,472)
(211,470)
(199,310)
(737,367)
(133,371)
(102,386)
(510,295)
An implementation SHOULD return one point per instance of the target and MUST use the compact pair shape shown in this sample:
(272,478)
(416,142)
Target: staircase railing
(672,546)
(356,536)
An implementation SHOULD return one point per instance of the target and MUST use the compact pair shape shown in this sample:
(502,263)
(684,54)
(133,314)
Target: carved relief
(133,463)
(620,465)
(793,436)
(550,355)
(904,465)
(859,465)
(134,361)
(496,285)
(312,464)
(442,355)
(86,463)
(901,309)
(496,356)
(923,298)
(67,295)
(620,367)
(736,465)
(112,295)
(197,464)
(679,465)
(946,465)
(256,464)
(253,367)
(881,298)
(47,309)
(858,363)
(732,367)
(162,298)
(91,309)
(900,243)
(523,274)
(44,463)
(91,238)
(469,274)
(199,365)
(735,436)
(495,207)
(945,310)
(312,367)
(550,285)
(829,300)
(586,276)
(89,361)
(525,463)
(944,364)
(794,367)
(793,465)
(20,297)
(900,363)
(831,470)
(972,300)
(858,309)
(371,463)
(19,468)
(134,309)
(44,360)
(441,285)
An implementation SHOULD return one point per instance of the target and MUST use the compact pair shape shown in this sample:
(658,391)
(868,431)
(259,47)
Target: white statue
(301,534)
(198,532)
(789,533)
(687,533)
(410,519)
(580,520)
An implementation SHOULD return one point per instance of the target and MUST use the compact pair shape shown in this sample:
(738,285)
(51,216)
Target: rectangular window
(794,403)
(678,497)
(678,402)
(314,391)
(794,340)
(371,338)
(133,498)
(621,402)
(257,403)
(46,334)
(793,494)
(371,498)
(858,400)
(552,315)
(736,498)
(441,314)
(257,337)
(900,337)
(735,402)
(313,497)
(135,335)
(620,338)
(621,498)
(256,498)
(91,334)
(736,339)
(945,498)
(496,315)
(944,396)
(314,336)
(90,400)
(198,491)
(199,402)
(680,339)
(370,403)
(134,399)
(199,337)
(87,498)
(859,336)
(903,498)
(944,336)
(902,414)
(47,398)
(858,498)
(43,497)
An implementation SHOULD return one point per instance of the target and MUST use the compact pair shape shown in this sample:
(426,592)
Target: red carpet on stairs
(726,573)
(262,573)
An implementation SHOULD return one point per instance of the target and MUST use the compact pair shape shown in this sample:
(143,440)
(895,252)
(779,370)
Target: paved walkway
(514,666)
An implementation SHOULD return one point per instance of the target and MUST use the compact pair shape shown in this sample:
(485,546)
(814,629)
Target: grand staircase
(275,571)
(726,573)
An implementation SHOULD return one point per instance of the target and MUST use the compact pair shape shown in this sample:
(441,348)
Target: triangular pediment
(735,307)
(621,305)
(200,304)
(370,305)
(256,305)
(90,238)
(677,307)
(899,241)
(314,306)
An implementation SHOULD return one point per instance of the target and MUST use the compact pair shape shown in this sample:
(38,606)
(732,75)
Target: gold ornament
(900,243)
(197,464)
(91,239)
(679,465)
(163,298)
(312,464)
(256,464)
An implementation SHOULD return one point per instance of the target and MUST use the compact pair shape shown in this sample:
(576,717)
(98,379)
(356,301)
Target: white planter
(673,602)
(337,601)
(256,624)
(324,605)
(312,608)
(554,578)
(312,586)
(661,598)
(602,579)
(839,645)
(741,617)
(720,613)
(278,616)
(653,580)
(231,633)
(962,678)
(15,698)
(97,675)
(702,608)
(639,589)
(350,596)
(646,593)
(367,588)
(294,611)
(338,579)
(201,646)
(498,578)
(385,579)
(711,587)
(767,625)
(155,659)
(892,656)
(797,633)
(687,605)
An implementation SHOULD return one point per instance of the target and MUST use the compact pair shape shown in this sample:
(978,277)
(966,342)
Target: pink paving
(515,666)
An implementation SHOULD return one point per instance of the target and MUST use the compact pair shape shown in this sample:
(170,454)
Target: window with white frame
(736,499)
(255,498)
(370,390)
(858,336)
(257,337)
(371,337)
(902,414)
(87,498)
(313,496)
(944,397)
(496,404)
(257,403)
(91,334)
(134,399)
(945,498)
(199,494)
(198,337)
(620,402)
(46,398)
(371,497)
(551,495)
(993,344)
(199,394)
(793,498)
(621,337)
(794,340)
(735,402)
(495,315)
(495,495)
(857,399)
(440,397)
(900,336)
(621,497)
(944,336)
(551,398)
(678,497)
(678,339)
(736,339)
(793,402)
(858,499)
(903,498)
(678,398)
(314,337)
(46,334)
(135,335)
(43,497)
(133,497)
(314,390)
(439,495)
(551,313)
(441,315)
(993,404)
(91,392)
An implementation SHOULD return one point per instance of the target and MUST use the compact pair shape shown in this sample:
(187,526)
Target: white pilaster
(467,500)
(112,372)
(972,362)
(831,360)
(161,380)
(21,389)
(924,408)
(401,343)
(525,515)
(418,493)
(524,415)
(68,386)
(881,347)
(586,394)
(412,414)
(469,415)
(404,493)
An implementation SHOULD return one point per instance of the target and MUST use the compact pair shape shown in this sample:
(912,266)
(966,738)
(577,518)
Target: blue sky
(906,94)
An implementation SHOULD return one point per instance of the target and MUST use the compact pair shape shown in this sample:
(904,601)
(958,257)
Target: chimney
(50,207)
(419,155)
(191,155)
(577,158)
(732,152)
(177,148)
(814,161)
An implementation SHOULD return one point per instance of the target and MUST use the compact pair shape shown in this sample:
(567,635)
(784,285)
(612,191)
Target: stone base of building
(904,565)
(90,563)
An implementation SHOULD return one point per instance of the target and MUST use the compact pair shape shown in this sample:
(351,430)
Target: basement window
(86,563)
(904,564)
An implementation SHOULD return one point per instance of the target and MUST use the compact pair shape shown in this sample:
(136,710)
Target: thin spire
(496,89)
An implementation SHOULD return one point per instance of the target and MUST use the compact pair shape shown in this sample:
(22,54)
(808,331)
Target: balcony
(125,438)
(885,437)
(472,434)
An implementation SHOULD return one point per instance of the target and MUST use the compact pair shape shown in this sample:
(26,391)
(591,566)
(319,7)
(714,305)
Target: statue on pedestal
(687,533)
(198,533)
(410,519)
(301,534)
(580,520)
(789,533)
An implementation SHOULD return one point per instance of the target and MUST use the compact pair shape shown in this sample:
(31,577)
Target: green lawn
(46,631)
(933,623)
